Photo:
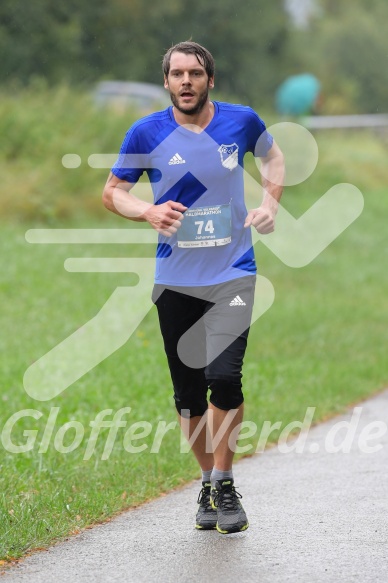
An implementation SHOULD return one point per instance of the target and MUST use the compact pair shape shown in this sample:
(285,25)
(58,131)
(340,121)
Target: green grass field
(322,344)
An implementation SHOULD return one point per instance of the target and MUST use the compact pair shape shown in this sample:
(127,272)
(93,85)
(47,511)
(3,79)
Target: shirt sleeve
(128,165)
(260,140)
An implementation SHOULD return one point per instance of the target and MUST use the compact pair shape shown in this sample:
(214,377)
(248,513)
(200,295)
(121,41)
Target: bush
(38,126)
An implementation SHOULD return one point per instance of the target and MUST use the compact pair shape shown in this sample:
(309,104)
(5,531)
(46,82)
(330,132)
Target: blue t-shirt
(198,170)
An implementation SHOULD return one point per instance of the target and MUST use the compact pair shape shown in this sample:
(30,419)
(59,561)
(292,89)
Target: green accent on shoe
(232,531)
(206,518)
(231,516)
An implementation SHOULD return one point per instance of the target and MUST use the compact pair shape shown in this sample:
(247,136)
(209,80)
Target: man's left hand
(263,219)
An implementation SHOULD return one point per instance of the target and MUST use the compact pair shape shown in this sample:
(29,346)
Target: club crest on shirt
(229,155)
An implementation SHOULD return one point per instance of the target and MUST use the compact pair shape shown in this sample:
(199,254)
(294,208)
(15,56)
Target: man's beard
(193,110)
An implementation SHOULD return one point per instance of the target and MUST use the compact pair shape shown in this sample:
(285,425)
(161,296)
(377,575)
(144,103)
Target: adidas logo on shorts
(237,301)
(177,159)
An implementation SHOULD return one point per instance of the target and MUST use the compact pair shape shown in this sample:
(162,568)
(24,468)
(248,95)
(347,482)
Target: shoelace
(204,499)
(227,498)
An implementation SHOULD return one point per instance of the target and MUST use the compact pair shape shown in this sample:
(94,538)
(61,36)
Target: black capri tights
(205,332)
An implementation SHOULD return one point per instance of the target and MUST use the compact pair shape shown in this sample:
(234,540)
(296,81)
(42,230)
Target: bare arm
(272,178)
(164,218)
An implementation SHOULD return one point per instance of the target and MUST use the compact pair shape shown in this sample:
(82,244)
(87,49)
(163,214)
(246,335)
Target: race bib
(206,226)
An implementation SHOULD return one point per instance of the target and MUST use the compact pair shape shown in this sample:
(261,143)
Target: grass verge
(322,344)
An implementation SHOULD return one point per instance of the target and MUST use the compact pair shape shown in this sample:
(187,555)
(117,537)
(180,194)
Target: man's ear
(211,82)
(165,82)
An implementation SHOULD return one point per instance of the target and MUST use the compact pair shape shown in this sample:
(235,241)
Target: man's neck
(197,122)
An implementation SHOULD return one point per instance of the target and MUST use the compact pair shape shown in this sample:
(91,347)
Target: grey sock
(218,475)
(206,475)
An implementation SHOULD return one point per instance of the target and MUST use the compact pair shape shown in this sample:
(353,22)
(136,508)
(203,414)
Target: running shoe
(206,518)
(225,499)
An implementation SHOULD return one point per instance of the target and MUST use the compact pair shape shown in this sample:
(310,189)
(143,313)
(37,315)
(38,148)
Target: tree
(37,38)
(346,47)
(126,39)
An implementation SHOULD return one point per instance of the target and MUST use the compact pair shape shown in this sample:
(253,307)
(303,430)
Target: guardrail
(323,122)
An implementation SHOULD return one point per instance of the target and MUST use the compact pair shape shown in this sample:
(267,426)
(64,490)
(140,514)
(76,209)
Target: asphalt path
(315,516)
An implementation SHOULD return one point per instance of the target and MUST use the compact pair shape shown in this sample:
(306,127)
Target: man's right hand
(165,218)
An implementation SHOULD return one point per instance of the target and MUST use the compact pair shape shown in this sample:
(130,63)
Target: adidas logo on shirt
(177,159)
(237,302)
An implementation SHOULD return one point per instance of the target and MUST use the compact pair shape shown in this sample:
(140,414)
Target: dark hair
(189,47)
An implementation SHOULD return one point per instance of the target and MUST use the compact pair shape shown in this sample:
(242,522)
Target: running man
(205,267)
